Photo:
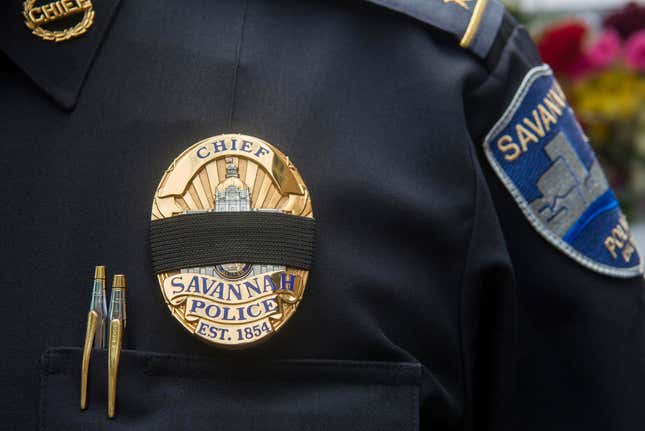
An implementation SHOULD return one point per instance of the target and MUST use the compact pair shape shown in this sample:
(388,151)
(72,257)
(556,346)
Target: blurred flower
(605,83)
(601,54)
(627,20)
(580,67)
(605,50)
(561,46)
(616,94)
(635,51)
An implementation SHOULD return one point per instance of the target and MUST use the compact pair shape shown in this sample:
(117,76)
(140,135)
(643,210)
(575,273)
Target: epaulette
(473,22)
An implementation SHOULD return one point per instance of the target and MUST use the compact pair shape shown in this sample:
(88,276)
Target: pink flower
(605,50)
(601,54)
(635,50)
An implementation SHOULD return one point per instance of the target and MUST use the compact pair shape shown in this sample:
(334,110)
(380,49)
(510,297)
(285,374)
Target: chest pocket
(174,392)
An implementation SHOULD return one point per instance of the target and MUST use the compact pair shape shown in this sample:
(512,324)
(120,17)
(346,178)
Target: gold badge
(231,304)
(37,17)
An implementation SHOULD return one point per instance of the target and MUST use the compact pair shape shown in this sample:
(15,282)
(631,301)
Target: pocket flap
(175,392)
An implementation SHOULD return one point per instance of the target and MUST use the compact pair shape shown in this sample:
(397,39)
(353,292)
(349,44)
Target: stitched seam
(282,380)
(466,386)
(161,367)
(494,73)
(238,55)
(44,371)
(416,407)
(412,366)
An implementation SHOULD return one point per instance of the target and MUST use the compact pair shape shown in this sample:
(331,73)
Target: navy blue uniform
(472,270)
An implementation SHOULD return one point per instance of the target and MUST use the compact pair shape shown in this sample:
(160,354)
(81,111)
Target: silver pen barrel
(117,300)
(116,322)
(96,328)
(98,304)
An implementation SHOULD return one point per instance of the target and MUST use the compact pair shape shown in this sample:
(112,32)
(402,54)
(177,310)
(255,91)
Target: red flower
(561,45)
(628,20)
(580,68)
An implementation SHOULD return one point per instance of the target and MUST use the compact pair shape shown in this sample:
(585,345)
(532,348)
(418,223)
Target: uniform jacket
(433,303)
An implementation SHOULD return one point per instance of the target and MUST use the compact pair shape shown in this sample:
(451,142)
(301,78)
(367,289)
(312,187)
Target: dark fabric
(422,256)
(506,30)
(581,344)
(206,239)
(58,68)
(174,392)
(455,18)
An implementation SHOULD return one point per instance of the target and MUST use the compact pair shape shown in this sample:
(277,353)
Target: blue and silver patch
(541,154)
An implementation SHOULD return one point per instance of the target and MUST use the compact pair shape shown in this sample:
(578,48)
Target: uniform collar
(58,68)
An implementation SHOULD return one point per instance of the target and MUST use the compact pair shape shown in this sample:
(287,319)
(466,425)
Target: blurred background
(597,50)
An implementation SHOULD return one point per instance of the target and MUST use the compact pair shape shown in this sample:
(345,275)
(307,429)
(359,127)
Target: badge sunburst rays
(227,173)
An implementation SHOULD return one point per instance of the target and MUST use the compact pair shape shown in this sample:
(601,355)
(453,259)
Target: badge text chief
(54,11)
(209,150)
(37,17)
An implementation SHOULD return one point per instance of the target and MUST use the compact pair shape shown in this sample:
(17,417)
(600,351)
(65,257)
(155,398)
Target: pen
(99,305)
(95,331)
(117,322)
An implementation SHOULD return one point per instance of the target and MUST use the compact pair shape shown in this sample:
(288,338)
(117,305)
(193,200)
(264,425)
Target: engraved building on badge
(233,195)
(226,202)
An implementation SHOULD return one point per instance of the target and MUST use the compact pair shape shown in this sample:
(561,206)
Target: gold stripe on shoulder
(473,25)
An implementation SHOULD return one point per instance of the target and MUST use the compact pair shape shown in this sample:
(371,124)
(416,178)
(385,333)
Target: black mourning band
(207,239)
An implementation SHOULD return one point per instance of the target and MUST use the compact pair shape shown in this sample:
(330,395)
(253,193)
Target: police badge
(232,237)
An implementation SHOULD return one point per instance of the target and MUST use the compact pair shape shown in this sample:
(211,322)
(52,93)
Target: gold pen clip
(116,331)
(95,332)
(92,317)
(117,324)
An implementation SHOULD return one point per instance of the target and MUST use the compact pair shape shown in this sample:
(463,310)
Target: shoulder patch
(544,159)
(473,22)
